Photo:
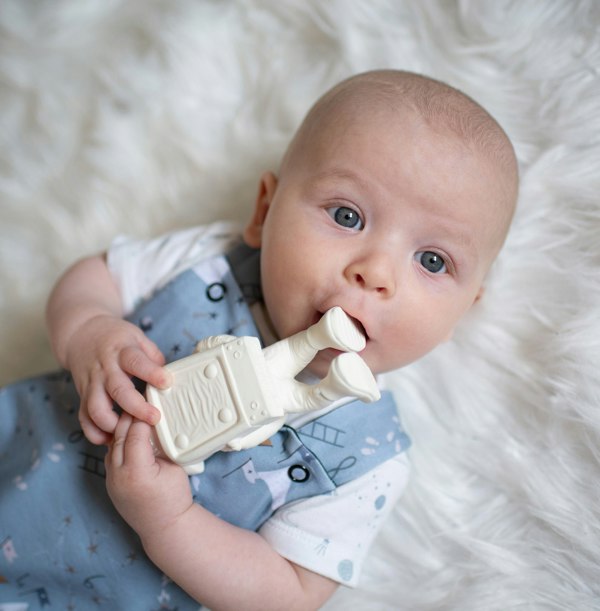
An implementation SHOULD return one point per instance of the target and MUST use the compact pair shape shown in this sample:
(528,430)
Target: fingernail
(167,379)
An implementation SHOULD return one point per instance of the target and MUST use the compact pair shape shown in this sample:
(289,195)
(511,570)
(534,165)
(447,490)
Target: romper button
(298,473)
(216,291)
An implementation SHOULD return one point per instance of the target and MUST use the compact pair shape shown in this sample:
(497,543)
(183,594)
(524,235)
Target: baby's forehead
(453,118)
(393,132)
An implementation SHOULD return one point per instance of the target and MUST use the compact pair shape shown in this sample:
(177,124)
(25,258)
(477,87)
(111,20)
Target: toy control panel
(216,395)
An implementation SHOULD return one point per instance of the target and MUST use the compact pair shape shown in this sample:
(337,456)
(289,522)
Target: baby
(392,201)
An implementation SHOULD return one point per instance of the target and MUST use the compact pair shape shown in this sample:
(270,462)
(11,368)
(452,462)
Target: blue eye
(346,217)
(432,262)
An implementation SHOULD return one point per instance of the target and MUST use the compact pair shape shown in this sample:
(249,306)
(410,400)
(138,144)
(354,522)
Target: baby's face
(392,222)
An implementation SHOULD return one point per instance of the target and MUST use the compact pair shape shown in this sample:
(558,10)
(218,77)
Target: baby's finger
(117,447)
(138,449)
(136,362)
(92,433)
(123,392)
(152,351)
(99,408)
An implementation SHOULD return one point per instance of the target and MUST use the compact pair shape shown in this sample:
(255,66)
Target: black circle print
(216,291)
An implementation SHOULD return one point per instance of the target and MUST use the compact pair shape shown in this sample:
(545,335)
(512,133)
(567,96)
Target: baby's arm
(220,565)
(90,338)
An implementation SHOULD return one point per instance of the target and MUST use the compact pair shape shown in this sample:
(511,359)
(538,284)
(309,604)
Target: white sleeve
(331,534)
(139,267)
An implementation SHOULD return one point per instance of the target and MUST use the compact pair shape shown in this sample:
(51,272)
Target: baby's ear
(266,191)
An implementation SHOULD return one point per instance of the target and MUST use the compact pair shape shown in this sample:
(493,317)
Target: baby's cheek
(405,348)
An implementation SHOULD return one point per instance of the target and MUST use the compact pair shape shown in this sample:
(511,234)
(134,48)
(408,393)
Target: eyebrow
(456,231)
(347,175)
(343,174)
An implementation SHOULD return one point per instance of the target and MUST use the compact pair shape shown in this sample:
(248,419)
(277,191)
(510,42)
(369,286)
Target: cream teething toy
(231,395)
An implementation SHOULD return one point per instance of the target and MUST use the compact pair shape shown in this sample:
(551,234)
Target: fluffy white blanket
(140,116)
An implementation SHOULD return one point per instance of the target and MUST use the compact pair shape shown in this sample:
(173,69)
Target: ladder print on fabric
(324,432)
(92,464)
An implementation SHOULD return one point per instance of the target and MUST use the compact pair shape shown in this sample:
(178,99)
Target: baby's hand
(150,493)
(103,355)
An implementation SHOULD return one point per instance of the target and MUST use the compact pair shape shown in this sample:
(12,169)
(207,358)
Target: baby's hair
(447,108)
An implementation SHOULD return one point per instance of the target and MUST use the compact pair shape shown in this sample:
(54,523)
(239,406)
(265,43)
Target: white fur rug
(145,115)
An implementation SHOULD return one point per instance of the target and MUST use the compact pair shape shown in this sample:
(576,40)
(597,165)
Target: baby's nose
(374,273)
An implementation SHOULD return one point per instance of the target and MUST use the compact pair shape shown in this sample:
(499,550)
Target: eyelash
(333,212)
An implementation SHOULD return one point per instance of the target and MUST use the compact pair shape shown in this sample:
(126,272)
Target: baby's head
(392,201)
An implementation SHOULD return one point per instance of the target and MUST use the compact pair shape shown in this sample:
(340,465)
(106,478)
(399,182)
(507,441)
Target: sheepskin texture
(141,116)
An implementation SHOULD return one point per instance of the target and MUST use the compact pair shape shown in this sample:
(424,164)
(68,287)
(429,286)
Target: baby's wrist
(156,533)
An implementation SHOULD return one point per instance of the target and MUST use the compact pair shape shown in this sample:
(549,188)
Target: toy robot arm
(348,375)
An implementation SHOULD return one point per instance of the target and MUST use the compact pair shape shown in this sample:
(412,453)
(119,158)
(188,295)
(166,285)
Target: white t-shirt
(328,534)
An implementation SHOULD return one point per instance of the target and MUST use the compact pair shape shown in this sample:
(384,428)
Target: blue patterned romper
(63,544)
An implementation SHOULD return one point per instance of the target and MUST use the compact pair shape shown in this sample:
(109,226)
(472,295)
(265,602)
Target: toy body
(232,395)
